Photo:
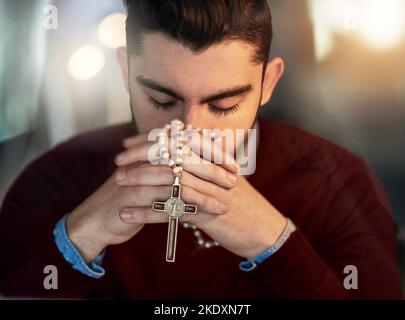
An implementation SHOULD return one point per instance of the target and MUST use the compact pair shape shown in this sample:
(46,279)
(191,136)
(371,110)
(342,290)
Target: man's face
(217,88)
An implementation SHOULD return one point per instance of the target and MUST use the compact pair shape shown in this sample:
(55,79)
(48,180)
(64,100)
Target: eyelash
(213,109)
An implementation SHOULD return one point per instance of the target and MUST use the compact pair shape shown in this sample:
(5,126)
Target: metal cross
(174,207)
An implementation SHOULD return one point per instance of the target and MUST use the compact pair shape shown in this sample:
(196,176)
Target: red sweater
(340,210)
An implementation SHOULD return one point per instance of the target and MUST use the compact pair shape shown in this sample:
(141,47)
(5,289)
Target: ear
(273,73)
(123,62)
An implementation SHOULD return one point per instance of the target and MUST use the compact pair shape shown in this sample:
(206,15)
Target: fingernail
(120,176)
(126,214)
(231,179)
(119,158)
(222,207)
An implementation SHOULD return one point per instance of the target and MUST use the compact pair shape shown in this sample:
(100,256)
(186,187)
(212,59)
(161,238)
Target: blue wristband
(249,265)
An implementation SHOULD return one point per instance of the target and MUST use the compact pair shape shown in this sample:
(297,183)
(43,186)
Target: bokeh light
(86,62)
(380,24)
(111,30)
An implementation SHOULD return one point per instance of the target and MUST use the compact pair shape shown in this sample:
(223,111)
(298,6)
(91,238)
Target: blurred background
(345,79)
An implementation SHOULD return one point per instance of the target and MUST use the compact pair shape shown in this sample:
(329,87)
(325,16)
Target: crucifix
(174,207)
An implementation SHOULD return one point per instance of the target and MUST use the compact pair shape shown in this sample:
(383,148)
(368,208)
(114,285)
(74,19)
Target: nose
(194,115)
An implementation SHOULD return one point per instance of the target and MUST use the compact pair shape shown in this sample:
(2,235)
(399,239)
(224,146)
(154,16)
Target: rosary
(174,207)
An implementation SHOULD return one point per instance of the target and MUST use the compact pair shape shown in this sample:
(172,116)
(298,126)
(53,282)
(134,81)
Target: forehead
(222,65)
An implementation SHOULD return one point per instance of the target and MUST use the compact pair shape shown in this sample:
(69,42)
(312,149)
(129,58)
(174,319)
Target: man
(311,221)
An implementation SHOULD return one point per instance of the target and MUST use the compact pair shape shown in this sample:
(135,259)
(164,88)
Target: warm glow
(86,62)
(382,25)
(111,30)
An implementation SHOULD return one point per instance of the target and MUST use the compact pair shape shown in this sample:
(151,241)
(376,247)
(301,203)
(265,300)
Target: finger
(210,172)
(202,186)
(144,175)
(141,152)
(204,202)
(212,151)
(142,215)
(144,196)
(147,174)
(145,215)
(200,220)
(202,145)
(132,141)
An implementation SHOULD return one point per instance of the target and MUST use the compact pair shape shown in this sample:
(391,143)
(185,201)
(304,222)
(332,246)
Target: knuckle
(187,193)
(165,170)
(136,174)
(134,192)
(162,191)
(208,203)
(219,172)
(213,170)
(187,179)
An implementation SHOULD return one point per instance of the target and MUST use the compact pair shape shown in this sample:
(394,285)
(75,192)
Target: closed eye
(214,109)
(159,105)
(223,112)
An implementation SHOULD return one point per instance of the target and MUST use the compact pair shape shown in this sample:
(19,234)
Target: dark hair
(199,24)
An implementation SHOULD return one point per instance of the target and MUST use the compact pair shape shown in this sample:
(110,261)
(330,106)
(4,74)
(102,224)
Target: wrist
(270,236)
(250,264)
(83,237)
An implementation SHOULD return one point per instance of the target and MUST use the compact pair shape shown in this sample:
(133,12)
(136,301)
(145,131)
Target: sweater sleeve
(39,197)
(357,230)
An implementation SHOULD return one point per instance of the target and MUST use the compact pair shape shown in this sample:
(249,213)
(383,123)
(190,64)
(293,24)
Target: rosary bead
(177,170)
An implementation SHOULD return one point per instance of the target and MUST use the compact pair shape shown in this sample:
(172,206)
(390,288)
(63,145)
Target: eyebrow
(227,93)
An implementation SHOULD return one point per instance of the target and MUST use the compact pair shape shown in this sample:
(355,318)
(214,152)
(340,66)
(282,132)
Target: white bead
(177,170)
(179,161)
(197,233)
(200,242)
(178,124)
